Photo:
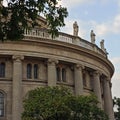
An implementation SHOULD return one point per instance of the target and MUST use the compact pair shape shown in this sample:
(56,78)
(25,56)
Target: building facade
(38,60)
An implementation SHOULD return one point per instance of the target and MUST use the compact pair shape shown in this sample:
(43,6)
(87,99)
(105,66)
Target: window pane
(84,80)
(2,70)
(58,73)
(1,104)
(29,71)
(35,71)
(63,75)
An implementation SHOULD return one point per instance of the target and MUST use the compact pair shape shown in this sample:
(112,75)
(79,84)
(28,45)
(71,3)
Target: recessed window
(2,69)
(29,71)
(61,74)
(58,74)
(1,104)
(84,80)
(35,71)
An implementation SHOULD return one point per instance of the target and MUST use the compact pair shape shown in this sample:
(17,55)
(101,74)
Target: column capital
(108,78)
(18,57)
(97,72)
(52,61)
(78,66)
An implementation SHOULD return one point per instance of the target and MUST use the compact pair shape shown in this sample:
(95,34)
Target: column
(17,87)
(52,77)
(78,79)
(108,103)
(97,87)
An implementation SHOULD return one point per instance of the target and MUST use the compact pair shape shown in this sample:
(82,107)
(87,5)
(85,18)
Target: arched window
(1,104)
(63,74)
(29,71)
(58,73)
(2,69)
(35,71)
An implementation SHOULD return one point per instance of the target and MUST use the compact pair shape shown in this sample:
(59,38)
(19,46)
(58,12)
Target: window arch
(2,97)
(35,71)
(2,69)
(29,71)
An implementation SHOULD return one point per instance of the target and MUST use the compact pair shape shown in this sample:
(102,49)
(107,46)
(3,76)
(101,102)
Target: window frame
(35,70)
(2,69)
(29,71)
(3,104)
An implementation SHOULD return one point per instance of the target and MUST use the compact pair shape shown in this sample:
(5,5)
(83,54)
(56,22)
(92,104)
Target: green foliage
(116,103)
(57,103)
(21,14)
(85,108)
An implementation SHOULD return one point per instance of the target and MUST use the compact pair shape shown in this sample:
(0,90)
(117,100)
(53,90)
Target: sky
(103,17)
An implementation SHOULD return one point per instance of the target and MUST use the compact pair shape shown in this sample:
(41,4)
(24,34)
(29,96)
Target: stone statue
(75,29)
(92,35)
(102,45)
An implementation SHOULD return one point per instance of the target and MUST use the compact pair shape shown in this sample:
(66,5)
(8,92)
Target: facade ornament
(79,66)
(97,72)
(52,61)
(102,45)
(17,57)
(92,35)
(75,29)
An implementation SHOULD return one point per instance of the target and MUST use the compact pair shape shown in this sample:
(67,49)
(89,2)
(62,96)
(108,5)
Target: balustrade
(42,33)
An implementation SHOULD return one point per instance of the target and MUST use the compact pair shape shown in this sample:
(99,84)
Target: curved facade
(38,60)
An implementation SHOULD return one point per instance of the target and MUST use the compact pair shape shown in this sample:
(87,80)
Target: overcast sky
(103,16)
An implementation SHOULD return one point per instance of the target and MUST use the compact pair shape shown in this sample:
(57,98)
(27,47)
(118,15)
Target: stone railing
(43,33)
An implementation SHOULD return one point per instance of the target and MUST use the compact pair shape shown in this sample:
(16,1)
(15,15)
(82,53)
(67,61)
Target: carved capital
(97,73)
(79,66)
(52,61)
(108,78)
(17,57)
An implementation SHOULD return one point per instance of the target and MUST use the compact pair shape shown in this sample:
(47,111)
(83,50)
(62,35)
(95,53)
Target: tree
(21,14)
(116,103)
(57,103)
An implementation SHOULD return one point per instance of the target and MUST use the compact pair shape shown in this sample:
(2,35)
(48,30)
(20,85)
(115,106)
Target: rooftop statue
(75,29)
(92,35)
(102,45)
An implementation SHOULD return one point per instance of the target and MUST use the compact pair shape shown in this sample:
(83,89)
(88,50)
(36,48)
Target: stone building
(38,60)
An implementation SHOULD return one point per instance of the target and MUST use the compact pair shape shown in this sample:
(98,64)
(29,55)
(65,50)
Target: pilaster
(52,71)
(17,87)
(108,103)
(78,77)
(97,87)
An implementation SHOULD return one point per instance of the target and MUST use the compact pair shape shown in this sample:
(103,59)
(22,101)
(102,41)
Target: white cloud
(116,77)
(116,60)
(69,27)
(101,29)
(116,84)
(107,27)
(116,24)
(73,3)
(5,2)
